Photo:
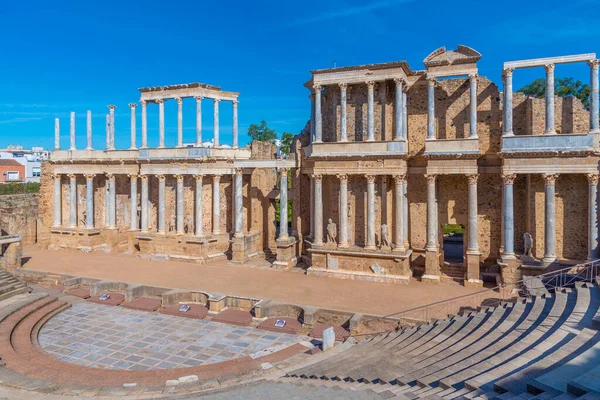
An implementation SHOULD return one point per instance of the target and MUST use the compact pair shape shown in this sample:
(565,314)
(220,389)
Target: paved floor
(101,336)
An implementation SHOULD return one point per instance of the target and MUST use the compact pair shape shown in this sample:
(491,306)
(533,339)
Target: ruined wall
(19,215)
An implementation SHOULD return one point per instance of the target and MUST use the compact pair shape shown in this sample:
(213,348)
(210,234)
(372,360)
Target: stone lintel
(554,165)
(357,167)
(540,62)
(97,169)
(7,239)
(442,71)
(250,164)
(357,149)
(199,91)
(360,75)
(452,166)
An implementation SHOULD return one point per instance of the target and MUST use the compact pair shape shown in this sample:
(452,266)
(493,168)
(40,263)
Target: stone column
(180,205)
(432,226)
(235,124)
(312,207)
(161,122)
(283,204)
(398,110)
(473,230)
(318,118)
(509,219)
(593,251)
(318,214)
(404,116)
(198,205)
(508,103)
(72,132)
(144,206)
(343,210)
(550,219)
(112,222)
(133,219)
(133,146)
(56,134)
(405,213)
(107,202)
(549,99)
(399,181)
(370,111)
(238,203)
(198,120)
(179,121)
(57,201)
(473,107)
(431,109)
(343,133)
(312,118)
(112,126)
(144,125)
(594,104)
(216,206)
(107,132)
(370,243)
(161,204)
(89,201)
(72,200)
(89,131)
(216,123)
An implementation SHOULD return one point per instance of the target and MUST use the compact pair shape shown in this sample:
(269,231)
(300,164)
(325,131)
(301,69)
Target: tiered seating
(10,286)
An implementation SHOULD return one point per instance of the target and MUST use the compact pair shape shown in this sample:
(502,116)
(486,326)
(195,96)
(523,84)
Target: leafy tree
(262,132)
(286,142)
(563,87)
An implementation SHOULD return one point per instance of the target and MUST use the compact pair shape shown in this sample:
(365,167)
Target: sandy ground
(252,280)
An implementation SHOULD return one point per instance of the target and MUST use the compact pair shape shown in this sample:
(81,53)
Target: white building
(31,159)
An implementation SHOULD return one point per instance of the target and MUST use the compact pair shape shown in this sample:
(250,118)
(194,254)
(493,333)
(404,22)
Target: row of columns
(431,134)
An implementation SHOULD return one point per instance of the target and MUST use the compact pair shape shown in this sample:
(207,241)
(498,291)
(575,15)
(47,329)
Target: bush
(448,229)
(19,188)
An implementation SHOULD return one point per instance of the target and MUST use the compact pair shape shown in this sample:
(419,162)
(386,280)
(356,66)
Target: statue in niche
(172,223)
(189,224)
(385,237)
(83,218)
(331,232)
(528,244)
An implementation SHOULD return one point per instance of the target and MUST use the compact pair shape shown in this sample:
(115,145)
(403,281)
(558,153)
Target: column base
(431,279)
(548,260)
(432,265)
(508,133)
(595,131)
(472,265)
(370,247)
(239,253)
(399,249)
(133,148)
(473,283)
(317,244)
(286,253)
(343,245)
(238,235)
(550,133)
(507,257)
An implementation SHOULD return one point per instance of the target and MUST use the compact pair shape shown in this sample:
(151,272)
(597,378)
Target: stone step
(14,292)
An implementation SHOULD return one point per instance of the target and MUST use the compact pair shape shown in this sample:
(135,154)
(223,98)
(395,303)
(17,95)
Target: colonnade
(431,132)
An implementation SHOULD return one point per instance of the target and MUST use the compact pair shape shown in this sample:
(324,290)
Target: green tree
(262,132)
(286,143)
(563,87)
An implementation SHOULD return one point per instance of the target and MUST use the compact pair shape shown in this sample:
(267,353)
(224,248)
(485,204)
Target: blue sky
(64,56)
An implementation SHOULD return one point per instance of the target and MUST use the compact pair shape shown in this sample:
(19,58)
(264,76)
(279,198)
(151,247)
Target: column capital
(317,87)
(235,102)
(473,77)
(160,177)
(216,101)
(430,178)
(198,177)
(509,179)
(550,179)
(109,176)
(317,178)
(143,103)
(400,179)
(198,98)
(431,81)
(111,107)
(549,68)
(370,83)
(507,71)
(370,178)
(57,176)
(343,178)
(179,177)
(593,63)
(132,105)
(592,178)
(179,100)
(343,86)
(240,171)
(144,177)
(399,81)
(89,176)
(133,176)
(473,178)
(159,101)
(283,170)
(216,178)
(72,176)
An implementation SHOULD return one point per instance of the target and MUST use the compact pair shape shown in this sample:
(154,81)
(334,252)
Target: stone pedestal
(286,253)
(432,267)
(239,253)
(510,271)
(472,259)
(11,258)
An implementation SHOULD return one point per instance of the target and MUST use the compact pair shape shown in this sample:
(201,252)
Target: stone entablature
(191,153)
(186,90)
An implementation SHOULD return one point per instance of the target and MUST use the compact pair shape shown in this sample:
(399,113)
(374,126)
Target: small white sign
(105,297)
(280,323)
(184,308)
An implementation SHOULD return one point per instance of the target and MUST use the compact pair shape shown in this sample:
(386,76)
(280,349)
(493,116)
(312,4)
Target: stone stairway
(10,286)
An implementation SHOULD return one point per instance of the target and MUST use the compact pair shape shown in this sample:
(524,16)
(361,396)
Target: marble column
(594,92)
(343,243)
(235,124)
(431,109)
(473,107)
(216,206)
(133,145)
(318,116)
(198,120)
(238,203)
(508,104)
(405,212)
(370,111)
(144,125)
(89,201)
(112,126)
(283,204)
(72,132)
(144,209)
(550,218)
(312,207)
(106,202)
(89,131)
(57,201)
(312,118)
(593,251)
(473,244)
(72,200)
(180,205)
(370,243)
(432,223)
(549,99)
(107,132)
(179,121)
(56,134)
(318,214)
(343,133)
(161,122)
(404,116)
(198,205)
(216,123)
(398,110)
(133,204)
(112,221)
(162,207)
(509,219)
(399,181)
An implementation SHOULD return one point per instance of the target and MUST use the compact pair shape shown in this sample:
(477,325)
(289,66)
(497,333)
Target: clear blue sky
(64,56)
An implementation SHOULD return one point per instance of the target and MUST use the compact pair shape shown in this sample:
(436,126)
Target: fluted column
(405,212)
(398,110)
(312,118)
(133,145)
(508,103)
(180,205)
(112,220)
(370,243)
(343,133)
(593,251)
(57,201)
(318,214)
(72,200)
(431,109)
(235,124)
(199,120)
(144,200)
(161,204)
(107,201)
(283,203)
(404,115)
(216,206)
(89,201)
(179,121)
(473,244)
(238,203)
(550,218)
(133,219)
(312,207)
(112,126)
(318,115)
(399,181)
(432,225)
(198,205)
(161,122)
(72,131)
(343,210)
(216,123)
(88,127)
(509,219)
(56,134)
(370,111)
(144,125)
(549,99)
(594,92)
(473,107)
(108,132)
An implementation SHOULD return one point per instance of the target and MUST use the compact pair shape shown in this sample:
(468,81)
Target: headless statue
(385,236)
(331,232)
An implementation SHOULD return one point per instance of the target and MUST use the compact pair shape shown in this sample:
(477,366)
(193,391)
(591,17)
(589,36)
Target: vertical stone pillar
(312,207)
(89,131)
(238,203)
(550,219)
(198,205)
(343,124)
(370,111)
(112,126)
(144,125)
(509,218)
(216,123)
(56,134)
(405,212)
(312,118)
(431,109)
(370,242)
(107,201)
(593,251)
(594,92)
(180,205)
(404,116)
(473,255)
(133,145)
(133,218)
(432,262)
(318,214)
(399,181)
(89,201)
(283,204)
(198,120)
(179,121)
(57,201)
(216,206)
(473,107)
(398,110)
(112,221)
(72,200)
(318,116)
(343,210)
(508,103)
(108,132)
(235,124)
(549,99)
(144,206)
(161,204)
(161,123)
(72,132)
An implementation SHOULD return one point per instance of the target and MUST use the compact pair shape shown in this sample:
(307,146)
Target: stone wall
(19,215)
